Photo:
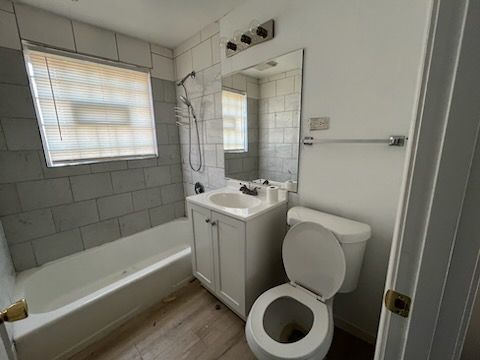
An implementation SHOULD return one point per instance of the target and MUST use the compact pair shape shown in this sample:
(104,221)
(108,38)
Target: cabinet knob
(214,223)
(207,220)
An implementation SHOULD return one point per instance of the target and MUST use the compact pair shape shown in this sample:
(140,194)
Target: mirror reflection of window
(264,99)
(234,108)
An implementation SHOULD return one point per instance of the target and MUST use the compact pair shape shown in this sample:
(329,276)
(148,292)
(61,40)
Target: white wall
(361,67)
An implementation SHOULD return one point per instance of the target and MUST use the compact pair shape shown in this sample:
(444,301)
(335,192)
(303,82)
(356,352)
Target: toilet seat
(315,264)
(314,259)
(314,345)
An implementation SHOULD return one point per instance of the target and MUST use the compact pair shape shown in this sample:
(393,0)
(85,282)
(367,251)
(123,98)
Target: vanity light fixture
(242,40)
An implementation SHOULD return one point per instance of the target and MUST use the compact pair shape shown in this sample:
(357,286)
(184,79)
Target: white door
(229,238)
(202,251)
(423,262)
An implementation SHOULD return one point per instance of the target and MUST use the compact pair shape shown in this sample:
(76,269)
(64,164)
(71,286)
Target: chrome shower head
(190,74)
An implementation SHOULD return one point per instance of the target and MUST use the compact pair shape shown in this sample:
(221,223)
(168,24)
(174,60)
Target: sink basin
(234,200)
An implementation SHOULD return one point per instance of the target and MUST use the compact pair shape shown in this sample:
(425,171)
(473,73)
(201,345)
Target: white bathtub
(75,300)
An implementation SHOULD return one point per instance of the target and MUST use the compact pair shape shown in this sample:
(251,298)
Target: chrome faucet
(248,191)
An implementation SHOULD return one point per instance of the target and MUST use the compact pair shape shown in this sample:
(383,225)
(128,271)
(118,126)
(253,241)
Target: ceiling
(165,22)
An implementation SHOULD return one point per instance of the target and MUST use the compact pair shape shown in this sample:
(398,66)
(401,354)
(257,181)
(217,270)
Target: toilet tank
(352,235)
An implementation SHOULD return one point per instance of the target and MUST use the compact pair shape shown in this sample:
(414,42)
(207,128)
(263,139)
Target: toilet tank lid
(346,230)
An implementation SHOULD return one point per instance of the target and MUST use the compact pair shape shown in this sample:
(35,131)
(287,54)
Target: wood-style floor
(193,324)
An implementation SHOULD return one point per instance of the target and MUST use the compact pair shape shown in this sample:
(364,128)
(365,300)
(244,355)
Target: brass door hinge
(397,303)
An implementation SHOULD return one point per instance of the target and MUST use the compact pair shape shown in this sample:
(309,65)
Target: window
(234,108)
(90,111)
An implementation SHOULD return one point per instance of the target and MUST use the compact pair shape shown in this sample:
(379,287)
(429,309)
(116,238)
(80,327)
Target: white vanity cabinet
(236,259)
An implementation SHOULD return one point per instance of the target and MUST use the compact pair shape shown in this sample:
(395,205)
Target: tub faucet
(248,191)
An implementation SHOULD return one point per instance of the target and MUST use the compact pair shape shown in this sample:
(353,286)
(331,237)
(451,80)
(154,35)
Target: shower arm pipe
(190,74)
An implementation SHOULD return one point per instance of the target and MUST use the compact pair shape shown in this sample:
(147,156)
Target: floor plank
(195,325)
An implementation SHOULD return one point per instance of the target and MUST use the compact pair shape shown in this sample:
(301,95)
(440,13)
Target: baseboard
(355,330)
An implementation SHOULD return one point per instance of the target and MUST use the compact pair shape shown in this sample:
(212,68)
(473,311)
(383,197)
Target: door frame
(441,147)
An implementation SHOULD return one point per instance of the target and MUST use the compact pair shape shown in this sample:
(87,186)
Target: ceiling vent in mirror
(267,65)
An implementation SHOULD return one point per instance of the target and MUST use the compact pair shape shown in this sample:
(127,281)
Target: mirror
(261,121)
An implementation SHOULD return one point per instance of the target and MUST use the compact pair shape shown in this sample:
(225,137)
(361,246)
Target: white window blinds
(90,112)
(234,108)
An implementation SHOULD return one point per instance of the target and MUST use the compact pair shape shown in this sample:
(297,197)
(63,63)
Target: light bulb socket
(246,39)
(231,46)
(262,32)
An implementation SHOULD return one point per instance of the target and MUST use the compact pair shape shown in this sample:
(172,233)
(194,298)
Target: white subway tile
(8,29)
(292,102)
(253,90)
(220,156)
(216,177)
(9,203)
(44,27)
(183,64)
(298,83)
(291,136)
(160,50)
(212,80)
(202,55)
(187,45)
(210,155)
(56,246)
(285,86)
(239,82)
(276,77)
(276,104)
(293,72)
(133,223)
(162,214)
(134,51)
(22,256)
(216,49)
(208,107)
(95,41)
(209,30)
(267,120)
(162,67)
(227,81)
(284,119)
(267,89)
(28,225)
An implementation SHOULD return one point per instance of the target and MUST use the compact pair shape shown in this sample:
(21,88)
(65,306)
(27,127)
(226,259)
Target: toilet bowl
(322,255)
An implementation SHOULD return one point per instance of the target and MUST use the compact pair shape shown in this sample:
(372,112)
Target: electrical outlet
(319,123)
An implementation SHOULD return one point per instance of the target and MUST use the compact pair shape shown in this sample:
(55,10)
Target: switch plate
(319,123)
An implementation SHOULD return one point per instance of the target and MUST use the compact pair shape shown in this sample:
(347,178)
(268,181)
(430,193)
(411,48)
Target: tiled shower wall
(244,165)
(48,213)
(202,53)
(279,125)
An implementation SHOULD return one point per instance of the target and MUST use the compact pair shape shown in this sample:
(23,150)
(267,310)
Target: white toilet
(322,255)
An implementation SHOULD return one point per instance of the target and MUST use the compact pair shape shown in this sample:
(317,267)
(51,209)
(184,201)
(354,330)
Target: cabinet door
(202,247)
(229,239)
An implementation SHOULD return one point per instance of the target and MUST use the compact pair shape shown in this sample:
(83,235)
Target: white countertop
(240,214)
